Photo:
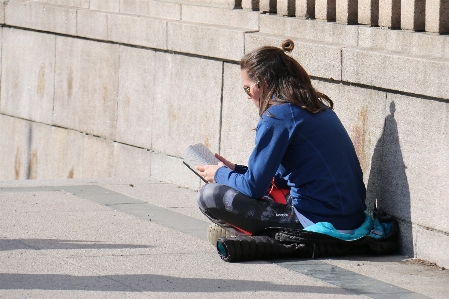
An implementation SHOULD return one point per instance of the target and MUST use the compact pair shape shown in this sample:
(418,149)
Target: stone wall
(94,88)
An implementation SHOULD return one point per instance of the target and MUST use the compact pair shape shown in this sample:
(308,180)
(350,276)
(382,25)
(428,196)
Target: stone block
(236,106)
(137,30)
(92,24)
(54,152)
(187,103)
(2,14)
(305,9)
(220,16)
(390,14)
(309,30)
(131,162)
(415,163)
(268,6)
(38,151)
(211,41)
(325,10)
(437,12)
(15,148)
(368,12)
(171,169)
(76,3)
(105,5)
(28,74)
(151,8)
(41,16)
(64,154)
(413,14)
(395,71)
(407,42)
(98,157)
(250,4)
(427,240)
(347,11)
(135,97)
(319,59)
(215,3)
(286,8)
(86,74)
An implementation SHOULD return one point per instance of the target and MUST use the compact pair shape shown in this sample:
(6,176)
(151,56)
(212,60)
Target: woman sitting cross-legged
(300,145)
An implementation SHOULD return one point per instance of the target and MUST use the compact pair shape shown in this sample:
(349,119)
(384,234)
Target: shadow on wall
(388,181)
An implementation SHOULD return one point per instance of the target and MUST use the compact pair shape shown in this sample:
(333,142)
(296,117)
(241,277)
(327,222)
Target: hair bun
(288,45)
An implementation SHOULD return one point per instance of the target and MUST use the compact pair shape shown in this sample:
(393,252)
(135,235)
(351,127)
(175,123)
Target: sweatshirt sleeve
(272,139)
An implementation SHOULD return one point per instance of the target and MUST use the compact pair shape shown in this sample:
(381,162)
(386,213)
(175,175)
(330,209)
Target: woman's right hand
(228,164)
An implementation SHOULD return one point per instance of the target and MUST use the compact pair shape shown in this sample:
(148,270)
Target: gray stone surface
(86,74)
(151,8)
(75,242)
(213,41)
(390,14)
(14,150)
(422,44)
(135,96)
(214,3)
(171,169)
(98,157)
(250,4)
(130,161)
(39,151)
(105,5)
(28,75)
(2,14)
(325,10)
(220,16)
(415,148)
(187,103)
(76,3)
(318,59)
(346,11)
(137,30)
(368,12)
(92,24)
(286,7)
(391,70)
(268,6)
(436,16)
(305,9)
(413,14)
(53,152)
(425,247)
(326,32)
(240,118)
(41,16)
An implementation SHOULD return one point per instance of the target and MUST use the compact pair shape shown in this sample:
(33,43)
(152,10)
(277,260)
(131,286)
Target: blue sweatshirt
(313,155)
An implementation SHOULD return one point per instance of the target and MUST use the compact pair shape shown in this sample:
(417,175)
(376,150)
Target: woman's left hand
(208,171)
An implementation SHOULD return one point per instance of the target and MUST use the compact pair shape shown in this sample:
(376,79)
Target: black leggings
(224,205)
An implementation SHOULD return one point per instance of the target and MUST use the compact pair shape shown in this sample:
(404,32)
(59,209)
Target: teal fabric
(371,227)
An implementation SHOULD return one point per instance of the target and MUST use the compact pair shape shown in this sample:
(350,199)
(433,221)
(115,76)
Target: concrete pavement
(143,238)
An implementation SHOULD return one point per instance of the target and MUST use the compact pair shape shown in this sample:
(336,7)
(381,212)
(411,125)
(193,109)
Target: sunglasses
(248,89)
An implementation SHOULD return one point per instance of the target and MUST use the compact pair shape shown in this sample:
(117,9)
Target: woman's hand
(208,171)
(228,164)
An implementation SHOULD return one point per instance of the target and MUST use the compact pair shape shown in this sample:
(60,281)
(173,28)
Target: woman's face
(251,88)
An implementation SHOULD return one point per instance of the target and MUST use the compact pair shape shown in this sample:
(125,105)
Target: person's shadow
(388,181)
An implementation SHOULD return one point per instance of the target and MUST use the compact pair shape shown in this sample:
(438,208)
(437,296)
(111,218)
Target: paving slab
(140,238)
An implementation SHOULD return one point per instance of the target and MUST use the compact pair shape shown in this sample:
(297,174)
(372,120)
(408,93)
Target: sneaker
(215,231)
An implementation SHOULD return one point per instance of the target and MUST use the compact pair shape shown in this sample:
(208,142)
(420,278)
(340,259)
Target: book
(199,154)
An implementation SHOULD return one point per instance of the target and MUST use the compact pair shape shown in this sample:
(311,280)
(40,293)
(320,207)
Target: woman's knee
(206,196)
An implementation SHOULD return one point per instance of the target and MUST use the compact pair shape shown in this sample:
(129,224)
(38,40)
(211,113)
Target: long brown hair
(283,79)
